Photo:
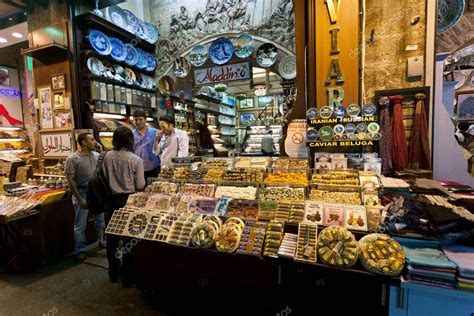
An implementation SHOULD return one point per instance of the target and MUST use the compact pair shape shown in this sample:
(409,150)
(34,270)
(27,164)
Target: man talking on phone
(170,142)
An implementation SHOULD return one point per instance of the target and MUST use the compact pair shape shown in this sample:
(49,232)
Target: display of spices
(245,175)
(287,177)
(336,197)
(282,193)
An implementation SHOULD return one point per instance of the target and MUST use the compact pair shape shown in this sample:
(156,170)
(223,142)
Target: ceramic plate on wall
(267,55)
(449,14)
(119,52)
(287,67)
(100,42)
(120,73)
(151,33)
(130,77)
(181,67)
(150,62)
(95,66)
(132,55)
(132,22)
(198,55)
(243,45)
(142,61)
(117,16)
(166,85)
(220,51)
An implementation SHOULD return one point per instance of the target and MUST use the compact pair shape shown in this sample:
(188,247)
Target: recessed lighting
(3,40)
(17,35)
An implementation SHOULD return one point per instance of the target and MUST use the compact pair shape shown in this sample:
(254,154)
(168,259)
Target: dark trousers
(113,253)
(152,173)
(269,154)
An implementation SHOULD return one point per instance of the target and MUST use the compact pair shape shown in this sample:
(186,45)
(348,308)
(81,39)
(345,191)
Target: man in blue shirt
(144,139)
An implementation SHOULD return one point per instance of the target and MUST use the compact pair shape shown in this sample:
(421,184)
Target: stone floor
(71,288)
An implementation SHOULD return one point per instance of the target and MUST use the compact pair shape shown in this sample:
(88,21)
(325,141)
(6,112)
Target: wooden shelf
(92,21)
(48,51)
(208,99)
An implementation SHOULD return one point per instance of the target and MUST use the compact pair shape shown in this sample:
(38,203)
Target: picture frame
(265,101)
(45,107)
(247,118)
(247,103)
(56,144)
(58,99)
(58,82)
(465,105)
(63,119)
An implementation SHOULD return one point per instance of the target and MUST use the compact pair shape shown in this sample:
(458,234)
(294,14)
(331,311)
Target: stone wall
(390,27)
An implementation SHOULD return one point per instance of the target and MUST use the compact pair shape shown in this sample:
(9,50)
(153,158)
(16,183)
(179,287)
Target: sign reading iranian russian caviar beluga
(224,73)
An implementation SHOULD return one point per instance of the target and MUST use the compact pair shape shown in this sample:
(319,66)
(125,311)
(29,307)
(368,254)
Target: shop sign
(343,120)
(295,142)
(341,144)
(224,73)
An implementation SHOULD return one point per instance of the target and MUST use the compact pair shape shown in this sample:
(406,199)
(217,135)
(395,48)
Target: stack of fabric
(463,256)
(427,264)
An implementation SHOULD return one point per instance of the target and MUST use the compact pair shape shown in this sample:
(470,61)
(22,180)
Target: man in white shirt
(170,142)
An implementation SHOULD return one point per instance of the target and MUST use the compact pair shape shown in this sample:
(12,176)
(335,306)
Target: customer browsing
(170,142)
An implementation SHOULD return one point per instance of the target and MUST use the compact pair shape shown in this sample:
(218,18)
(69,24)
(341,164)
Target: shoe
(82,256)
(11,120)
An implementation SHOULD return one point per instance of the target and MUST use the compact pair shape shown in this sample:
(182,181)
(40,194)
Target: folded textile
(463,256)
(465,286)
(432,274)
(432,282)
(425,254)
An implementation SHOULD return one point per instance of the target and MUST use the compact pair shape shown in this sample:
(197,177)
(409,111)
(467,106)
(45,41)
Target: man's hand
(98,147)
(159,134)
(83,203)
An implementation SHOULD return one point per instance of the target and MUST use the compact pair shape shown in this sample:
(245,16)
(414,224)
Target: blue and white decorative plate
(350,128)
(132,22)
(151,33)
(119,52)
(221,50)
(369,109)
(141,29)
(95,66)
(287,67)
(449,14)
(181,67)
(198,55)
(340,111)
(243,45)
(312,113)
(267,55)
(339,129)
(150,62)
(132,55)
(142,60)
(100,42)
(117,16)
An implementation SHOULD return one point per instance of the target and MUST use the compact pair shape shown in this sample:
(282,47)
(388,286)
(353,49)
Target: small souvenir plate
(337,137)
(345,137)
(373,127)
(117,16)
(312,135)
(130,77)
(340,111)
(267,55)
(243,45)
(377,136)
(350,128)
(142,61)
(132,55)
(326,133)
(166,85)
(132,22)
(312,113)
(353,110)
(287,67)
(220,51)
(471,130)
(361,136)
(181,67)
(339,129)
(100,42)
(95,66)
(369,109)
(369,136)
(119,52)
(150,62)
(326,112)
(361,128)
(198,55)
(352,136)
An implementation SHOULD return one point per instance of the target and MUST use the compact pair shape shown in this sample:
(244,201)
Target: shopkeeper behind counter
(144,138)
(170,142)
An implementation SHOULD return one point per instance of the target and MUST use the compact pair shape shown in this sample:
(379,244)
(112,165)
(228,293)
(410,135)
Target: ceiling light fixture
(17,35)
(3,40)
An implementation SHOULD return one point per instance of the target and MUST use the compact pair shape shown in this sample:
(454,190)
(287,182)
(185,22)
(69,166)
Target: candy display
(167,173)
(137,200)
(288,246)
(336,197)
(181,173)
(339,178)
(221,163)
(314,212)
(244,209)
(222,207)
(206,190)
(158,202)
(203,235)
(246,175)
(307,243)
(267,210)
(287,177)
(334,215)
(203,205)
(283,212)
(181,229)
(285,163)
(297,211)
(162,187)
(247,193)
(381,254)
(196,174)
(184,202)
(337,247)
(228,239)
(257,162)
(273,238)
(214,219)
(252,239)
(355,217)
(164,228)
(235,221)
(214,174)
(282,193)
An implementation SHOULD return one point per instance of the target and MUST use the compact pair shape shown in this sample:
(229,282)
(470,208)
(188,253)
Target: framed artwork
(58,99)
(56,144)
(465,105)
(45,107)
(246,103)
(58,82)
(265,100)
(63,119)
(247,119)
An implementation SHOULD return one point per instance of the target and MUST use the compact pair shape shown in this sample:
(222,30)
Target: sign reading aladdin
(224,73)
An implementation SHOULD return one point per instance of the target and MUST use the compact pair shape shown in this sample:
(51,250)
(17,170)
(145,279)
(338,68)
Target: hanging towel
(399,138)
(420,154)
(385,144)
